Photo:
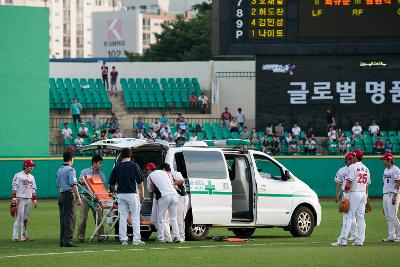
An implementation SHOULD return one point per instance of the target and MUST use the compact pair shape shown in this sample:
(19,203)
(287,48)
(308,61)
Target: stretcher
(105,206)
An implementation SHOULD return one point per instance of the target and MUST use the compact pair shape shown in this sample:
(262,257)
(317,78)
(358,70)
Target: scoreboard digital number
(303,27)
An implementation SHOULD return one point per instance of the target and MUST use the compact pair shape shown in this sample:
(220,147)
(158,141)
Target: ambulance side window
(268,169)
(205,164)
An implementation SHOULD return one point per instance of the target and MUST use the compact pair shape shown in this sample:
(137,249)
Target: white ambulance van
(238,189)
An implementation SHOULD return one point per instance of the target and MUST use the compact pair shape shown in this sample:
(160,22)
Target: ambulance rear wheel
(243,232)
(196,232)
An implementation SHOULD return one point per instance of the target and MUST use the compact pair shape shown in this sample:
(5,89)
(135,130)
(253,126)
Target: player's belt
(66,192)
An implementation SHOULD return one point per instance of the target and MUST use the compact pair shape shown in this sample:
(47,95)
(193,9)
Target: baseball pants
(129,203)
(353,229)
(357,211)
(181,214)
(21,218)
(154,219)
(84,215)
(167,204)
(66,206)
(390,211)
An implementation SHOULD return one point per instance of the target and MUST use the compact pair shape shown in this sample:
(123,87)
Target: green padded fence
(317,172)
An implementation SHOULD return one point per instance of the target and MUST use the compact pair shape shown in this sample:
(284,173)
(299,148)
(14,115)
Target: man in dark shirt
(104,74)
(330,120)
(126,175)
(114,77)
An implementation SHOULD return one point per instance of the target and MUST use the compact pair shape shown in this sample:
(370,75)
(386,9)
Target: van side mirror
(286,176)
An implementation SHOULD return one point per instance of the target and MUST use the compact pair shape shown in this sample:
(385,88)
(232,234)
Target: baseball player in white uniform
(391,184)
(167,203)
(356,191)
(340,184)
(23,193)
(183,205)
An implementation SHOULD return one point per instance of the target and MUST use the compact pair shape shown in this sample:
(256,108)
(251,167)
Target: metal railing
(234,74)
(55,122)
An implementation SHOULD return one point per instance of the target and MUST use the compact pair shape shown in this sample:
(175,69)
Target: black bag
(181,190)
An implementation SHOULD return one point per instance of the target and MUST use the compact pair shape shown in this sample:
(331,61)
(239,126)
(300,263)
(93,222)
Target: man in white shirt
(391,185)
(193,137)
(23,195)
(296,131)
(240,117)
(332,135)
(203,100)
(357,130)
(156,126)
(168,201)
(67,132)
(83,131)
(373,129)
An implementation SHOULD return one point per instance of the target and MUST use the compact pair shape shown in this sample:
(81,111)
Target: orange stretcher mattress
(96,186)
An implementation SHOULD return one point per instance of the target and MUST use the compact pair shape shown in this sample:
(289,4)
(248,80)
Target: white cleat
(351,238)
(138,243)
(124,243)
(357,244)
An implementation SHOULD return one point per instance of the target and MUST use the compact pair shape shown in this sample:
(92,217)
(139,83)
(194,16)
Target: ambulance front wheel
(145,235)
(302,223)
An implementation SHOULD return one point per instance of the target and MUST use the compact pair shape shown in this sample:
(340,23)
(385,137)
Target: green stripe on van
(213,193)
(282,195)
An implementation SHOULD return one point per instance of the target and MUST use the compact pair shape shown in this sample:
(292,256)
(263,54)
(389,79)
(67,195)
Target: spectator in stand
(310,146)
(357,130)
(245,134)
(67,132)
(226,118)
(379,146)
(79,141)
(164,119)
(271,145)
(254,136)
(152,133)
(104,75)
(140,133)
(139,126)
(343,145)
(107,125)
(269,130)
(83,131)
(296,131)
(193,100)
(240,117)
(279,131)
(203,101)
(181,124)
(117,134)
(114,78)
(292,144)
(332,135)
(373,129)
(156,126)
(114,123)
(180,116)
(340,134)
(165,133)
(179,137)
(388,146)
(95,122)
(275,146)
(234,125)
(330,119)
(310,132)
(75,111)
(193,137)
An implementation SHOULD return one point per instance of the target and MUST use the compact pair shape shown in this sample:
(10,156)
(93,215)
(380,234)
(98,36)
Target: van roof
(120,143)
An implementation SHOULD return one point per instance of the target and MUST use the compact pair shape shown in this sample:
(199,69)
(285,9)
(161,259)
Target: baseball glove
(368,207)
(13,209)
(344,206)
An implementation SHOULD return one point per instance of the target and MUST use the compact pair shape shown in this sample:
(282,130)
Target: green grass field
(267,247)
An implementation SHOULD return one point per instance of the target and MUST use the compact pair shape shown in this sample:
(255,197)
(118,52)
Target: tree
(181,40)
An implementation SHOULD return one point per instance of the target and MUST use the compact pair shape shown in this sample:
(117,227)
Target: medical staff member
(126,175)
(69,195)
(183,203)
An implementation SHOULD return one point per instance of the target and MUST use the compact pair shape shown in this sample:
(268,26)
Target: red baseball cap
(348,155)
(358,153)
(388,156)
(29,163)
(150,166)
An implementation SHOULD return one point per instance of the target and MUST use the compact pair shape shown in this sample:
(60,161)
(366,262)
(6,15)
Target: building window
(79,42)
(67,53)
(67,41)
(146,39)
(79,53)
(9,2)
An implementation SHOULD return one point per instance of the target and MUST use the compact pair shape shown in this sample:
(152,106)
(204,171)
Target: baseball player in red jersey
(340,184)
(356,191)
(23,193)
(391,184)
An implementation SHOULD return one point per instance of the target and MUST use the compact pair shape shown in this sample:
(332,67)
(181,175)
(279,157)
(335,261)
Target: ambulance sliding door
(210,186)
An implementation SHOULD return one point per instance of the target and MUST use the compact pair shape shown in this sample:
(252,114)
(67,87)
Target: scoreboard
(305,27)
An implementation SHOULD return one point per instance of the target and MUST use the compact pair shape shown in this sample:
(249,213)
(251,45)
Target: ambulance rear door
(209,186)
